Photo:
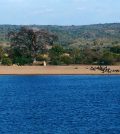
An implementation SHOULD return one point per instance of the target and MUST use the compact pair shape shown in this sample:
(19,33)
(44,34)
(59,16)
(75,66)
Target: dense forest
(89,44)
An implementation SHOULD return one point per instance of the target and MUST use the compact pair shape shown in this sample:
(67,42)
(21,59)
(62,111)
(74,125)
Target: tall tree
(31,41)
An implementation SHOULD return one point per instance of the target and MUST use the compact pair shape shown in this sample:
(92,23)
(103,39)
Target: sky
(59,12)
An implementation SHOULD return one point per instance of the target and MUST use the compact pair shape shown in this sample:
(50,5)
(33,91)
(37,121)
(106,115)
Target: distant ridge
(107,34)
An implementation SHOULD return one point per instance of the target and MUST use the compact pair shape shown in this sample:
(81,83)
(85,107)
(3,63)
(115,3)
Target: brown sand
(41,70)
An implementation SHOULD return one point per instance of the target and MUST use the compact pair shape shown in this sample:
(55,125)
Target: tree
(55,54)
(115,49)
(1,53)
(107,58)
(28,42)
(76,55)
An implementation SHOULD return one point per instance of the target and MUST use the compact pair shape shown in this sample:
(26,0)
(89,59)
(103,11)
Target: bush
(55,54)
(56,51)
(41,57)
(66,59)
(115,49)
(1,53)
(23,60)
(6,61)
(107,59)
(55,61)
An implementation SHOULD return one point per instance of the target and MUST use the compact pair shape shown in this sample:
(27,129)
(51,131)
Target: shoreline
(55,70)
(59,74)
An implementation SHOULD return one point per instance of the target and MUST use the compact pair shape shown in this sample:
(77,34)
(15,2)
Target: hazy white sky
(59,12)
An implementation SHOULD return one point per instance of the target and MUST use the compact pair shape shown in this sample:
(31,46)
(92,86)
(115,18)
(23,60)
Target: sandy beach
(53,70)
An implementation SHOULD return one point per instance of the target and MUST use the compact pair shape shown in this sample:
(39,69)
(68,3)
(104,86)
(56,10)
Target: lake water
(60,104)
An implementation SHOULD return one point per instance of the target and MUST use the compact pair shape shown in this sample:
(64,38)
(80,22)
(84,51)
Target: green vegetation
(22,60)
(66,59)
(75,36)
(55,54)
(6,61)
(92,44)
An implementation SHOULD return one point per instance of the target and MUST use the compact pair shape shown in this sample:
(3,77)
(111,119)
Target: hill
(105,35)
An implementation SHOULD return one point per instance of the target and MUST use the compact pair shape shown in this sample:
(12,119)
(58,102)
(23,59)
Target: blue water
(59,104)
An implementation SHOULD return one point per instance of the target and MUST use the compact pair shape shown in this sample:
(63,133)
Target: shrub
(56,50)
(41,57)
(6,61)
(55,61)
(115,49)
(107,59)
(55,54)
(22,60)
(66,59)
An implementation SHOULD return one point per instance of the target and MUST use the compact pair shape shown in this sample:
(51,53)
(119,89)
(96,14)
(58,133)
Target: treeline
(57,55)
(33,45)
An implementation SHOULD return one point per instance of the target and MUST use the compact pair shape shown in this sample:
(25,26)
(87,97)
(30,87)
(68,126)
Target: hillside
(75,36)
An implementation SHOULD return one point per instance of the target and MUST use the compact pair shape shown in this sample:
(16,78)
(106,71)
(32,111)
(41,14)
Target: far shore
(55,70)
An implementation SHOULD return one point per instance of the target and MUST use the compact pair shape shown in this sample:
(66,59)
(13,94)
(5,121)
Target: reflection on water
(59,105)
